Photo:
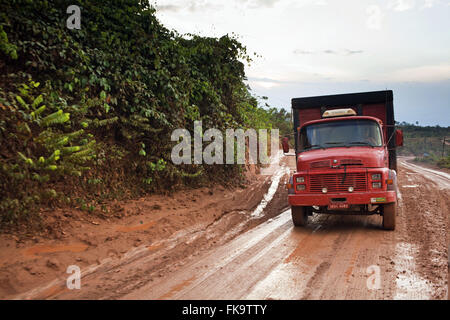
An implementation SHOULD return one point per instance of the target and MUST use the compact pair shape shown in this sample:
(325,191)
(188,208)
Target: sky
(320,47)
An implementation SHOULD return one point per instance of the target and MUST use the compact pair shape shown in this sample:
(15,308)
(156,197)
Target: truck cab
(345,156)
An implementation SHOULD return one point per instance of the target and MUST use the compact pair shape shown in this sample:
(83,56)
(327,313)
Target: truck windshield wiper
(362,142)
(314,146)
(341,142)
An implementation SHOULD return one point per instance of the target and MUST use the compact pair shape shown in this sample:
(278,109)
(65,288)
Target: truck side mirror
(285,144)
(399,138)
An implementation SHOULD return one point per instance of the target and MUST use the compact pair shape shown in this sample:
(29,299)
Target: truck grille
(335,182)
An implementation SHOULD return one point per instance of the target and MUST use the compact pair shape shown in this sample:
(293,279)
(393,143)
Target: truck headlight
(300,179)
(350,189)
(301,187)
(376,185)
(324,190)
(376,176)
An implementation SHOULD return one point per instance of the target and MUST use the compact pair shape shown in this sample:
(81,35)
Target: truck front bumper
(360,198)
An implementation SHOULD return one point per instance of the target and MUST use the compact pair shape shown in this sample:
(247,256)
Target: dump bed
(378,104)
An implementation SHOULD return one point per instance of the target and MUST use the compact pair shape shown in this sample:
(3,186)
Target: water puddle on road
(440,178)
(257,213)
(410,285)
(287,281)
(277,171)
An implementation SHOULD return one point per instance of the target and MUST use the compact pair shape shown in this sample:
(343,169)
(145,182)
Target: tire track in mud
(315,280)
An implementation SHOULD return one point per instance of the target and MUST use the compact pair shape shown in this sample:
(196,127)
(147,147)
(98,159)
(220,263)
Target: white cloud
(375,19)
(429,3)
(429,73)
(405,5)
(401,5)
(187,6)
(256,4)
(300,41)
(342,52)
(264,84)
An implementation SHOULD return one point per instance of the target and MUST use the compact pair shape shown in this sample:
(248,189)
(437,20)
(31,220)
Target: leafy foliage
(42,146)
(98,104)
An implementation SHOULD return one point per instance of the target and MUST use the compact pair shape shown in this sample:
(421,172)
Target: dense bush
(444,162)
(89,112)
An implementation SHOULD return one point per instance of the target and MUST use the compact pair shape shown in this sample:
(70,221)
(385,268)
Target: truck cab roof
(341,119)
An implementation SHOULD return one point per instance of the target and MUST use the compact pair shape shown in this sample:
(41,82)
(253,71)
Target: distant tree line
(430,144)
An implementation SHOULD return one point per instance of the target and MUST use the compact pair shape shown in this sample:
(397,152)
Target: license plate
(333,206)
(377,200)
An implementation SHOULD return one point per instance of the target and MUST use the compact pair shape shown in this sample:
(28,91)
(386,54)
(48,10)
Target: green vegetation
(426,144)
(87,114)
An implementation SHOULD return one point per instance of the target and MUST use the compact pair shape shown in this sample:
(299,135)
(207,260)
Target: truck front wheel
(389,212)
(299,216)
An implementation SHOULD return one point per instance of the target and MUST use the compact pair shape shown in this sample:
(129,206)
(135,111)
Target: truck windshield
(343,133)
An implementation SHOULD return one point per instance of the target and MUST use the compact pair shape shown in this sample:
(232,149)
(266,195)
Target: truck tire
(299,216)
(389,212)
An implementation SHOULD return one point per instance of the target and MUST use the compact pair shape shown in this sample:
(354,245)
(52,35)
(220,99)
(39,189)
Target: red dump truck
(345,148)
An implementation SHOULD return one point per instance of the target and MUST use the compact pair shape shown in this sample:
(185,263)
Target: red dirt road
(254,252)
(335,257)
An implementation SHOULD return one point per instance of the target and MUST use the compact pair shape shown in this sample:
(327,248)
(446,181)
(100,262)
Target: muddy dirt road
(333,258)
(258,254)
